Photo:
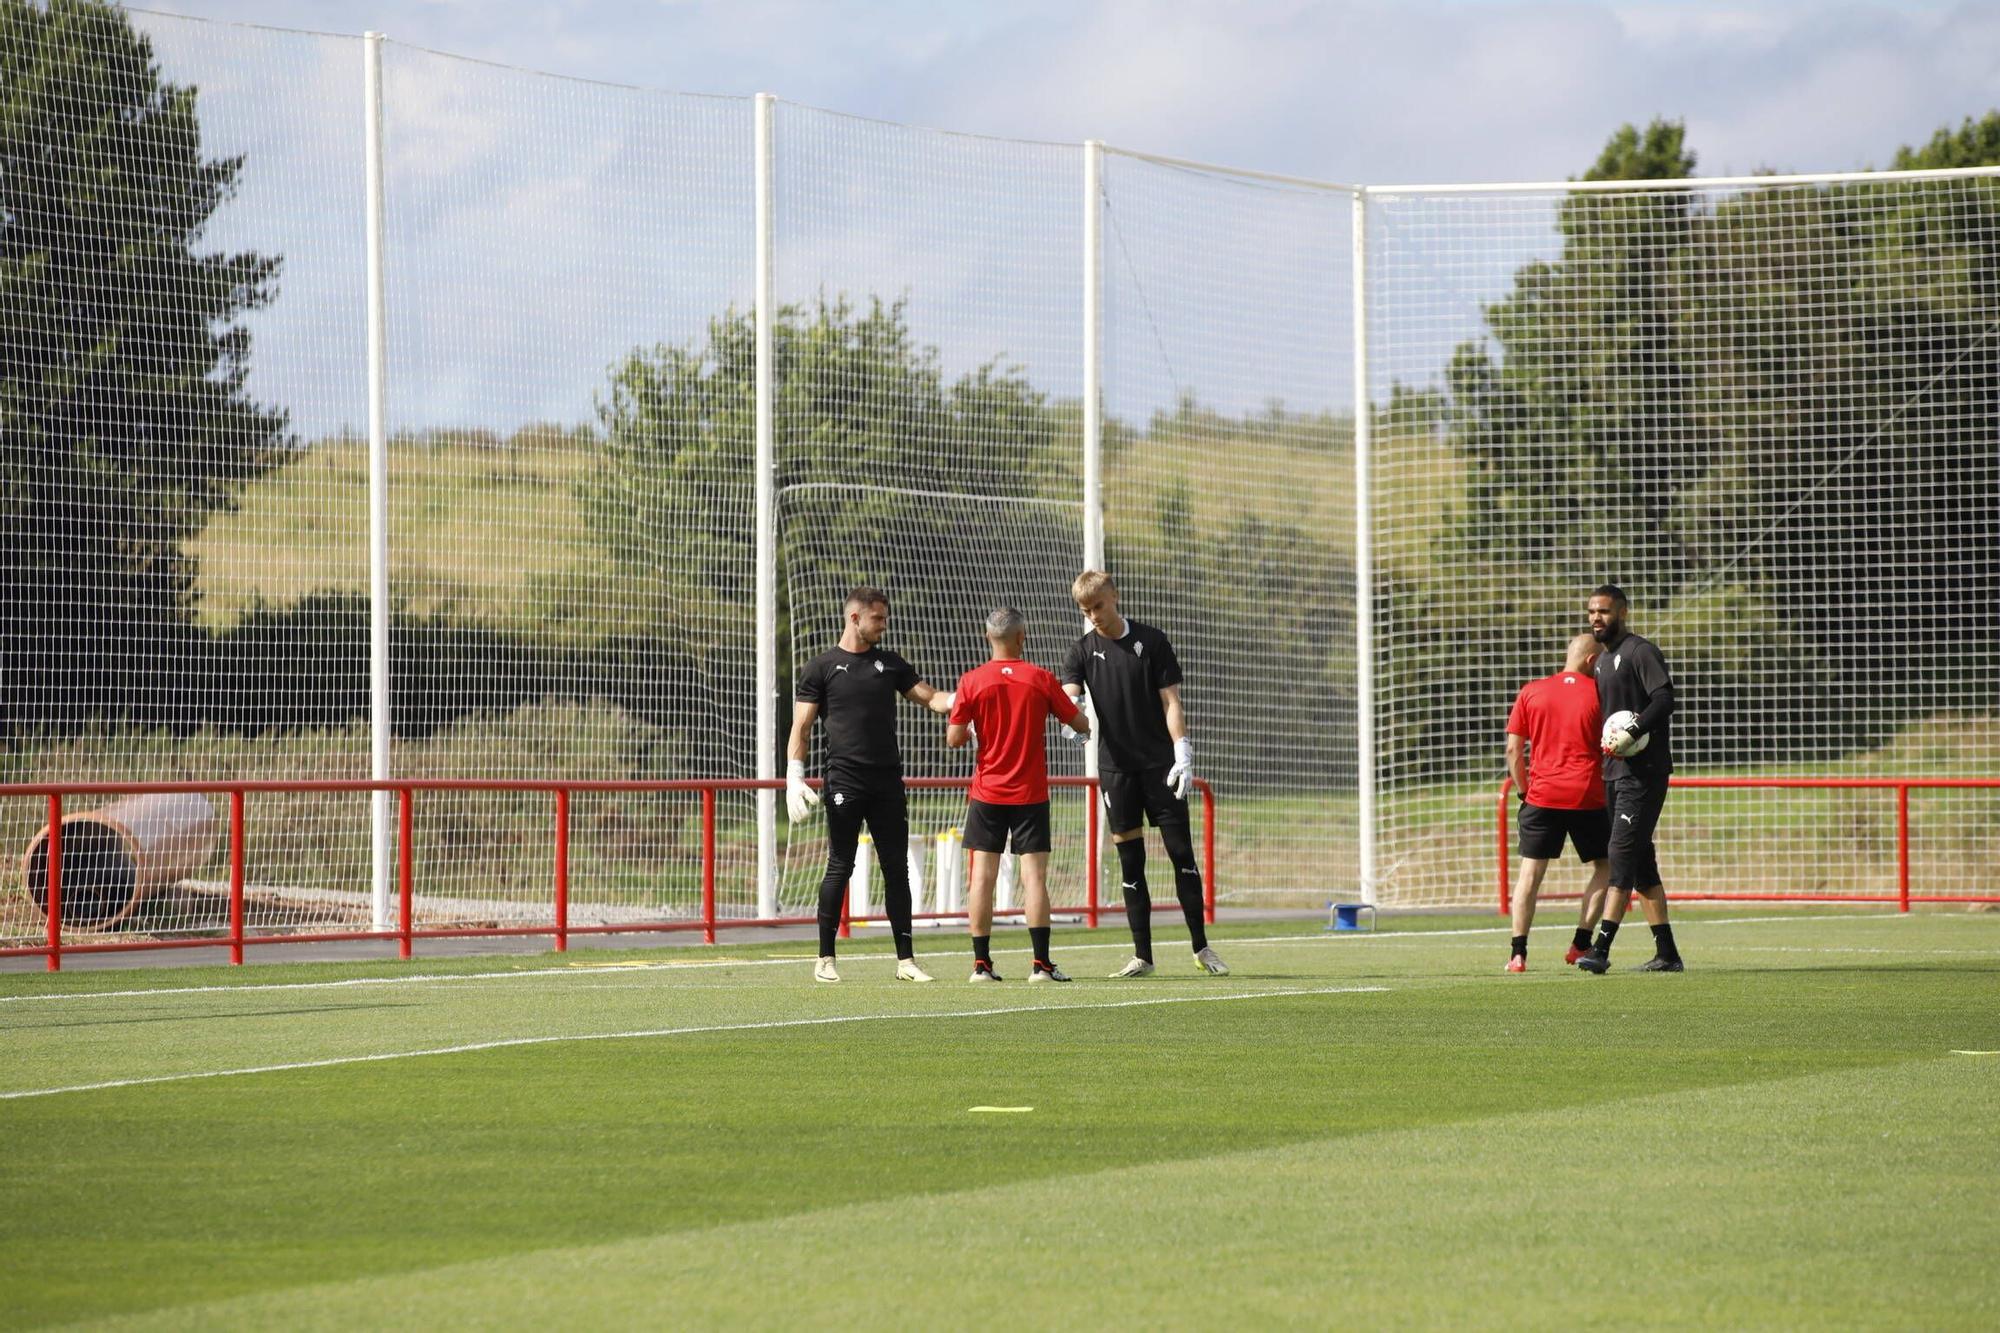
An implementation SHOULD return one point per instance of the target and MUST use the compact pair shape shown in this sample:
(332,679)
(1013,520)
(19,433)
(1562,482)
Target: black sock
(1581,940)
(1039,937)
(1138,902)
(1607,931)
(1520,946)
(982,948)
(1187,881)
(1663,942)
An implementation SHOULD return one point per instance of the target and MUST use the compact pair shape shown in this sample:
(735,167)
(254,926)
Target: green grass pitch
(1347,1131)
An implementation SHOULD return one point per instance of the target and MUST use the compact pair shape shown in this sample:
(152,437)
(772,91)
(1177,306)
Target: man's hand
(1181,776)
(800,800)
(1620,743)
(1074,736)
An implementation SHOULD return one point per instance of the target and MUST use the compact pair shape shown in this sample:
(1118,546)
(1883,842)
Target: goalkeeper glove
(1620,743)
(800,800)
(1074,736)
(1181,776)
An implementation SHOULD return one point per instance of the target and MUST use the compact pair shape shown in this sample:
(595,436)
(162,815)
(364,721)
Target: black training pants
(878,802)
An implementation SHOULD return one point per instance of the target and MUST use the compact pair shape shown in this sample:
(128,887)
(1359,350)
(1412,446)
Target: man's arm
(800,800)
(957,734)
(803,716)
(1659,683)
(1517,763)
(923,693)
(1658,709)
(1170,697)
(1181,776)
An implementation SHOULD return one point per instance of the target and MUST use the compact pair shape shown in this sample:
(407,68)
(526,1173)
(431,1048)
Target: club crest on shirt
(840,798)
(1006,671)
(1138,650)
(878,666)
(1617,660)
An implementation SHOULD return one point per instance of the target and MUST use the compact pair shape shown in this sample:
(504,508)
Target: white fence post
(1364,562)
(1093,410)
(766,538)
(1093,356)
(379,720)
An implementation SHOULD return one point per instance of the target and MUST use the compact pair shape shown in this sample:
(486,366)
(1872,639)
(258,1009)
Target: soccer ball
(1622,721)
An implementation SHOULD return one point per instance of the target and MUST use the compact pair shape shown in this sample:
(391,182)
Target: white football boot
(824,970)
(1209,961)
(1138,967)
(907,970)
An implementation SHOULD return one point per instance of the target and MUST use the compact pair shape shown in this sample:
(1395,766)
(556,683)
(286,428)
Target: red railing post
(1506,890)
(562,870)
(708,865)
(1208,851)
(236,877)
(403,870)
(1091,852)
(54,882)
(1903,847)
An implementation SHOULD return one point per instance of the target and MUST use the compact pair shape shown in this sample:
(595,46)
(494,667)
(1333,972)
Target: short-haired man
(1632,677)
(1007,704)
(854,686)
(1145,759)
(1555,757)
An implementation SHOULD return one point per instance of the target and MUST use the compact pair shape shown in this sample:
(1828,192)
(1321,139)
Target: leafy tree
(123,417)
(858,405)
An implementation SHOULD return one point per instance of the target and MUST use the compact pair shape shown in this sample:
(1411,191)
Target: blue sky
(539,228)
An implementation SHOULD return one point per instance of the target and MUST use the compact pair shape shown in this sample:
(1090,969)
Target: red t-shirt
(1559,716)
(1009,701)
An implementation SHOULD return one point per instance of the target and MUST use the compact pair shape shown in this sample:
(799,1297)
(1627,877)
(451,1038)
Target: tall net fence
(1769,413)
(1229,496)
(568,281)
(182,332)
(928,420)
(1768,409)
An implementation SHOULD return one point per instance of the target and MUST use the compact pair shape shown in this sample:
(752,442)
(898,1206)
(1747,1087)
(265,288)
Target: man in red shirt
(1007,704)
(1555,755)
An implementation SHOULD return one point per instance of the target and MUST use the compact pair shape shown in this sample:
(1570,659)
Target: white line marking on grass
(585,971)
(770,1024)
(1976,1052)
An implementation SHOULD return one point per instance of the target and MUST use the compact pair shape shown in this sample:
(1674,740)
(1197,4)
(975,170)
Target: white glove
(800,800)
(1074,736)
(1619,743)
(1181,776)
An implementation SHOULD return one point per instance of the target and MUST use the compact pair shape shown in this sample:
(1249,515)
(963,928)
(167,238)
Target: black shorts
(989,827)
(1128,796)
(1541,831)
(1634,804)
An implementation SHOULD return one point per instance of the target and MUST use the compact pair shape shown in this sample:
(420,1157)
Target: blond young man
(1145,759)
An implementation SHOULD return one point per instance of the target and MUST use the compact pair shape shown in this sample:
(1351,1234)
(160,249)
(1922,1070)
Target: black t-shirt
(856,694)
(1629,673)
(1124,678)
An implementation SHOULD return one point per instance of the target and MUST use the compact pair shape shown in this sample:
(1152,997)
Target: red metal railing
(1902,897)
(405,934)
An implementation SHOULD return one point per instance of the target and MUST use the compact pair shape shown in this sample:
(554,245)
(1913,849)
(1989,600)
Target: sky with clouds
(513,254)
